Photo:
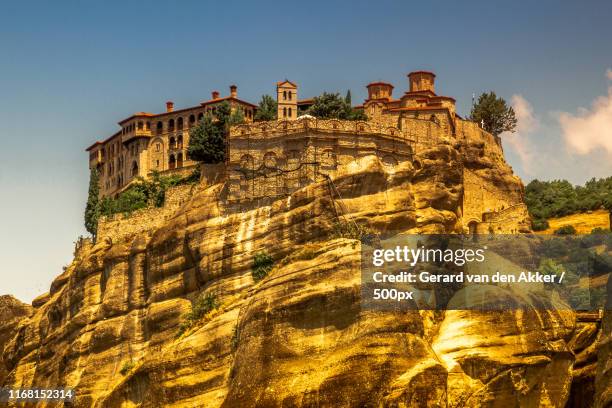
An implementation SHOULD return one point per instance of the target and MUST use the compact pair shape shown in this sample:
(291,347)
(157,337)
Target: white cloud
(526,123)
(589,129)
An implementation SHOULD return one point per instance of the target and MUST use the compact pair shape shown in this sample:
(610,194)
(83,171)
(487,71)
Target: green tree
(207,139)
(566,230)
(348,98)
(332,106)
(494,113)
(267,109)
(92,209)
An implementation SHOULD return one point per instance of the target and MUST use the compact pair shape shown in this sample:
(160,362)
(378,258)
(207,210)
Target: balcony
(136,133)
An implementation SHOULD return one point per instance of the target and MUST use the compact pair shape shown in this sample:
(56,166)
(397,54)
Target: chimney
(215,94)
(169,106)
(233,91)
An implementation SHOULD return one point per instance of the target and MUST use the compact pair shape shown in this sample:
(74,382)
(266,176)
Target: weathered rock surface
(12,312)
(109,325)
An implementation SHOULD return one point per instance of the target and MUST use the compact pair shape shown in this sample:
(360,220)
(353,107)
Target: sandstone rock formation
(110,325)
(12,312)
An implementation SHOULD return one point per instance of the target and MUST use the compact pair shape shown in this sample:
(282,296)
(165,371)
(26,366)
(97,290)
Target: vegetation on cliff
(333,106)
(494,114)
(557,198)
(207,139)
(262,264)
(202,305)
(92,209)
(144,193)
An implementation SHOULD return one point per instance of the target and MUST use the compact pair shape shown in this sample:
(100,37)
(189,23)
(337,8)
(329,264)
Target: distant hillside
(584,223)
(548,200)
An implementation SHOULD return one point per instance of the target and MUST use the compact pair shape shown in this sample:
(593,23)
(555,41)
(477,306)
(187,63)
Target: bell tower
(286,99)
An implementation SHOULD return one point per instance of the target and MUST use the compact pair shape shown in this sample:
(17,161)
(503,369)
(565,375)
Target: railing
(284,127)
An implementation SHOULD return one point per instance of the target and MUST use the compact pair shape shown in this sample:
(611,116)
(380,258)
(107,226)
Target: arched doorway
(172,162)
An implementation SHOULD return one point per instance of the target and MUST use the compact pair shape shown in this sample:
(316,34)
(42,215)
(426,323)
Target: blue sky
(70,70)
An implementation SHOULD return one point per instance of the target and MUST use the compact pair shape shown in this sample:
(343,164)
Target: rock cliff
(12,312)
(109,326)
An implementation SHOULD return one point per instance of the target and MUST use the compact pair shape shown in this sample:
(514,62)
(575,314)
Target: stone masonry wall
(118,227)
(273,159)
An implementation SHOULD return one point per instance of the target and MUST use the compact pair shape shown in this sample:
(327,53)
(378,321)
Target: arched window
(284,112)
(285,95)
(172,162)
(171,125)
(172,143)
(179,160)
(140,125)
(179,123)
(134,169)
(191,120)
(200,116)
(289,94)
(160,127)
(148,125)
(180,141)
(289,112)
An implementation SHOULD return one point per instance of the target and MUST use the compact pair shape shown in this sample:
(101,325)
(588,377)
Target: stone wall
(119,227)
(272,159)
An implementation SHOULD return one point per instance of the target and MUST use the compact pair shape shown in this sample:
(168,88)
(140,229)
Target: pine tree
(348,98)
(267,109)
(92,209)
(494,114)
(333,106)
(207,139)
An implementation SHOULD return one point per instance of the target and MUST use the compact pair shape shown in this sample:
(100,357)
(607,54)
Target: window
(285,95)
(172,162)
(284,112)
(179,160)
(171,125)
(160,127)
(200,116)
(157,147)
(140,125)
(134,169)
(191,120)
(180,141)
(289,112)
(179,123)
(289,93)
(157,164)
(172,143)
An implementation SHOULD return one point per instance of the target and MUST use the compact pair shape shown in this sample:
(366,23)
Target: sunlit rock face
(109,327)
(603,383)
(12,313)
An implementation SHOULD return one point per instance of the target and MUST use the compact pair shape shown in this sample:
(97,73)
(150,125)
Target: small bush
(262,264)
(351,230)
(235,338)
(566,230)
(539,224)
(202,305)
(127,367)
